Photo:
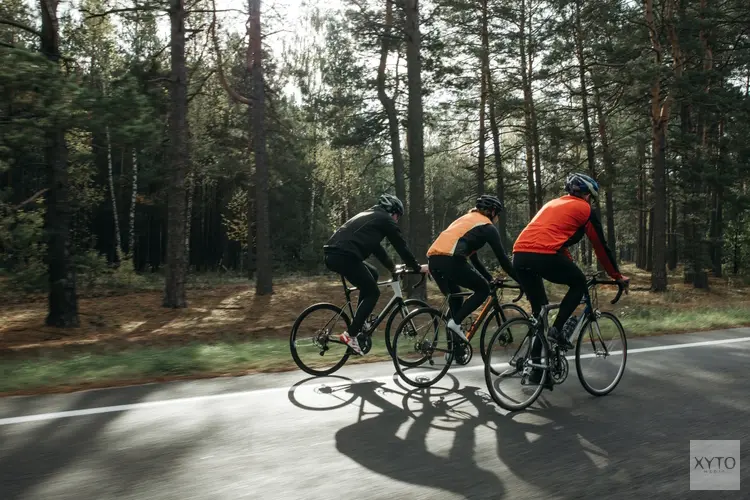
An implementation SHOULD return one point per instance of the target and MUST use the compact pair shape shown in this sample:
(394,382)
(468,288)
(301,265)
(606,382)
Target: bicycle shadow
(375,444)
(631,443)
(395,440)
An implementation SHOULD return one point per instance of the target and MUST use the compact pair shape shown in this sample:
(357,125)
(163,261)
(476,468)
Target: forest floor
(128,337)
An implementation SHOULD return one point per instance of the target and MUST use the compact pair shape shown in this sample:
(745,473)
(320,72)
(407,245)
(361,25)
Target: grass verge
(61,373)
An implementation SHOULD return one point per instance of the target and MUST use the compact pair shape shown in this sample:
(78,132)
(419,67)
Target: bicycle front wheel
(422,348)
(517,365)
(314,341)
(397,316)
(601,353)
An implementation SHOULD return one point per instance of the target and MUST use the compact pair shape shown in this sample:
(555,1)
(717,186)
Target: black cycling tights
(362,275)
(450,273)
(531,268)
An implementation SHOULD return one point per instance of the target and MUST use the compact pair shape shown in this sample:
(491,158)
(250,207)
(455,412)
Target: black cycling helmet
(489,203)
(580,184)
(391,204)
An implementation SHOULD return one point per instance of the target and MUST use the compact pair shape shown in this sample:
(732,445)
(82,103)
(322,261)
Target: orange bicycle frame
(475,325)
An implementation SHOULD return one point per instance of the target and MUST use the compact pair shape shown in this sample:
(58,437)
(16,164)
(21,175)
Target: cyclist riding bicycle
(541,252)
(448,265)
(346,251)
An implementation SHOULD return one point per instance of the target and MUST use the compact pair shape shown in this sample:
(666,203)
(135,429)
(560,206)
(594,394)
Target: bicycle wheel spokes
(508,370)
(422,348)
(314,341)
(601,353)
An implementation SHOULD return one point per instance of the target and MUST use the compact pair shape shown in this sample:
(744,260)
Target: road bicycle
(424,347)
(314,339)
(599,332)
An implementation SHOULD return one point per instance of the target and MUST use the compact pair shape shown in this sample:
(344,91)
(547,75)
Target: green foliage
(235,218)
(328,138)
(22,249)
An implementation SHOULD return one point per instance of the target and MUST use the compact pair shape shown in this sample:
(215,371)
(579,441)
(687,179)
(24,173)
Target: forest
(170,138)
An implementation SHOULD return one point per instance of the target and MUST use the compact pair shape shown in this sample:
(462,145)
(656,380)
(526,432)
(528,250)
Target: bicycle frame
(396,300)
(492,303)
(589,310)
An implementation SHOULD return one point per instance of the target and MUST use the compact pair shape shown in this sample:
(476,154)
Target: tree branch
(266,35)
(219,63)
(34,197)
(123,10)
(20,26)
(214,11)
(200,87)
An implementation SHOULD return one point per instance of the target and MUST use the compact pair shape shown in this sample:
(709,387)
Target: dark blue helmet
(580,184)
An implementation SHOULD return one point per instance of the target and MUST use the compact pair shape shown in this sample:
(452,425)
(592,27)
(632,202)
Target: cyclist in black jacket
(354,242)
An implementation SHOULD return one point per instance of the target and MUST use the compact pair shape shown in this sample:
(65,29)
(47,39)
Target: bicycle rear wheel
(422,348)
(314,340)
(601,354)
(494,321)
(512,353)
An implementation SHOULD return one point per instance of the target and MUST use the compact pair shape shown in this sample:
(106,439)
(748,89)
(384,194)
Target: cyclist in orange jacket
(541,251)
(448,264)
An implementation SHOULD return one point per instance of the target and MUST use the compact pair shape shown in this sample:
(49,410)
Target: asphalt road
(362,435)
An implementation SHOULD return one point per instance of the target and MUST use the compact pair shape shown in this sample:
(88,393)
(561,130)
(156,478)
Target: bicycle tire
(295,328)
(407,303)
(488,371)
(621,372)
(488,322)
(436,317)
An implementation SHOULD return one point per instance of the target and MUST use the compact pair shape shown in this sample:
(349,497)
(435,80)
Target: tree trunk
(62,300)
(264,283)
(389,105)
(534,121)
(311,227)
(610,172)
(251,237)
(174,291)
(484,64)
(588,137)
(528,135)
(495,129)
(650,243)
(189,215)
(673,250)
(659,214)
(642,245)
(418,220)
(431,205)
(133,199)
(110,175)
(659,120)
(737,243)
(482,134)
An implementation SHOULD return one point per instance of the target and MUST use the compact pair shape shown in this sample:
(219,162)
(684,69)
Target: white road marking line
(151,404)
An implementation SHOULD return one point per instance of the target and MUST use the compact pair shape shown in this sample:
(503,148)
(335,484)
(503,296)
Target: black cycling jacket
(361,236)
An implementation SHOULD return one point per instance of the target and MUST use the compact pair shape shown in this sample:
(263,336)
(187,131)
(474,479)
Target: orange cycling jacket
(465,236)
(561,223)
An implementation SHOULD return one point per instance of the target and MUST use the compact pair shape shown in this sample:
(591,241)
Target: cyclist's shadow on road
(374,444)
